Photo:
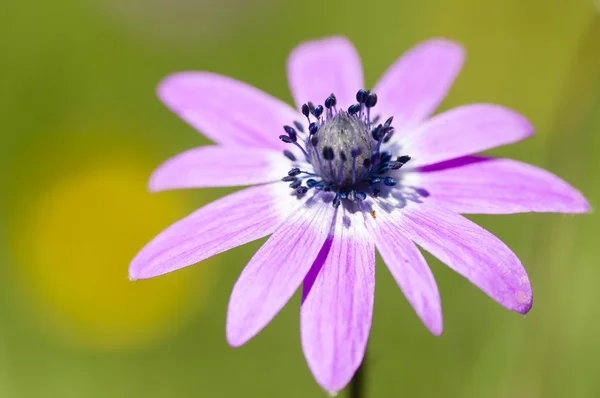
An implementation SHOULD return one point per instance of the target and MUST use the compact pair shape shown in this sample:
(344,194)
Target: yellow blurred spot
(75,244)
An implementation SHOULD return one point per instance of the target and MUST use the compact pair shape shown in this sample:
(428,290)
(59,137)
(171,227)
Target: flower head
(351,170)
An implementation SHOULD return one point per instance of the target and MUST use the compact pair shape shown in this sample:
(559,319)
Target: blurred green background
(81,129)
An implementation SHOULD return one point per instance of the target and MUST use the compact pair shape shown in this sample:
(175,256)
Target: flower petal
(226,223)
(471,251)
(413,87)
(226,110)
(338,303)
(497,186)
(276,270)
(463,131)
(409,269)
(321,67)
(216,166)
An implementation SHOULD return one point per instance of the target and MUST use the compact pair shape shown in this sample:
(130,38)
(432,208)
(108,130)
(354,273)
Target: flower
(357,171)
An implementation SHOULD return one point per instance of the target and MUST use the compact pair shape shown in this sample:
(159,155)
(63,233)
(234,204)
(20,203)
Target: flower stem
(357,384)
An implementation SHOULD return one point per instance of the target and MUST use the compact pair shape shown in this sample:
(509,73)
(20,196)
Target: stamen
(306,111)
(294,172)
(370,102)
(313,128)
(291,133)
(289,155)
(353,109)
(389,181)
(318,111)
(299,126)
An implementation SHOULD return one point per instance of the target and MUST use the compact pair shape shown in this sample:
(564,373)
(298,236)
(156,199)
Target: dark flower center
(344,149)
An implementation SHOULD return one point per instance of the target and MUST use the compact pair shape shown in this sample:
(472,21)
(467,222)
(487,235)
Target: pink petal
(463,131)
(216,166)
(338,303)
(276,270)
(497,186)
(413,87)
(321,67)
(409,268)
(227,111)
(471,251)
(226,223)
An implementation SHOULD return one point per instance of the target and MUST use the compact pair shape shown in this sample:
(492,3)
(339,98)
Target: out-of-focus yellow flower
(73,246)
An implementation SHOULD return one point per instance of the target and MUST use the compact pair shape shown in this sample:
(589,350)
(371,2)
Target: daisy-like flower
(351,171)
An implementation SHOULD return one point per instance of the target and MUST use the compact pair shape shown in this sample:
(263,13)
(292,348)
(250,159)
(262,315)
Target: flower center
(344,149)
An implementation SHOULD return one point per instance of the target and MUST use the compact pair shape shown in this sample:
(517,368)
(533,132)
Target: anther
(330,101)
(285,139)
(360,195)
(376,132)
(311,183)
(301,190)
(353,109)
(376,192)
(299,126)
(295,184)
(361,96)
(374,181)
(389,181)
(313,128)
(388,136)
(355,152)
(318,111)
(294,172)
(291,133)
(305,110)
(403,159)
(371,100)
(388,122)
(289,155)
(289,179)
(314,140)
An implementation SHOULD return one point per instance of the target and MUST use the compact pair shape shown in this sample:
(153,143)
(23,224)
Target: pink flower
(353,179)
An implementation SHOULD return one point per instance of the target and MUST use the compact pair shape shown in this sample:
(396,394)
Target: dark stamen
(289,155)
(299,126)
(353,109)
(361,96)
(294,172)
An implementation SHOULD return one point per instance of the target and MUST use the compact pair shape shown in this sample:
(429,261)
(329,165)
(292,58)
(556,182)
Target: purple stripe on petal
(321,67)
(463,131)
(338,303)
(217,166)
(226,223)
(413,87)
(409,269)
(276,270)
(497,186)
(471,251)
(226,110)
